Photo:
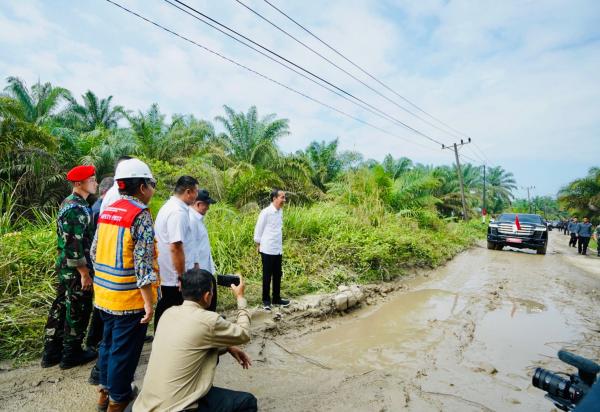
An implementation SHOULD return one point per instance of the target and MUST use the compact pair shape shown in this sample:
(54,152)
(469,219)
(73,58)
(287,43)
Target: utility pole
(460,176)
(528,188)
(483,209)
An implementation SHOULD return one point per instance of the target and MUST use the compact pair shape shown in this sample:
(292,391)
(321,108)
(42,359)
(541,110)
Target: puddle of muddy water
(393,334)
(404,330)
(520,332)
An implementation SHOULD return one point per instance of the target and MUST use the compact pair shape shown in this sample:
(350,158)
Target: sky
(521,78)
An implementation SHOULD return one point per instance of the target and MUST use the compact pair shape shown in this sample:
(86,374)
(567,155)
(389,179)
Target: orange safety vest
(115,283)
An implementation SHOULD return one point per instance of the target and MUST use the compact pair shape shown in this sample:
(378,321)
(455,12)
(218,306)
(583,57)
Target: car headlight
(494,225)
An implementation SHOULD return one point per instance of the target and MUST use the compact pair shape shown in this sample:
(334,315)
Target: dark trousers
(120,352)
(582,244)
(96,330)
(226,400)
(69,315)
(169,296)
(573,239)
(271,269)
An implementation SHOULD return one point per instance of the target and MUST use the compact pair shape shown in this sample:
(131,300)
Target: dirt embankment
(466,336)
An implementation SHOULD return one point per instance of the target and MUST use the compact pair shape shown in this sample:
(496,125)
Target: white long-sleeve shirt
(268,231)
(198,248)
(110,197)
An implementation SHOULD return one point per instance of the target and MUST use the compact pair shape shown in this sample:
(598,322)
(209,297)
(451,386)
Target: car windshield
(523,218)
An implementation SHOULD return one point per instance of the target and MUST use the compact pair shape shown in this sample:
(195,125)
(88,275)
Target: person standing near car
(572,227)
(268,236)
(584,234)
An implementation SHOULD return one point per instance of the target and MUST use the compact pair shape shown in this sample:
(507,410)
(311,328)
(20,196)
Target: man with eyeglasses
(70,311)
(125,282)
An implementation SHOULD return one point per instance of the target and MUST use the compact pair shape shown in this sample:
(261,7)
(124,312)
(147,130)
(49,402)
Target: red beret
(79,173)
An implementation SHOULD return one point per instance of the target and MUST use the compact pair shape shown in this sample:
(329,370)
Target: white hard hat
(133,168)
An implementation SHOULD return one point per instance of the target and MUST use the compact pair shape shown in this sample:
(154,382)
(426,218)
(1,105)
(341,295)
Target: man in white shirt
(172,228)
(197,252)
(268,236)
(112,195)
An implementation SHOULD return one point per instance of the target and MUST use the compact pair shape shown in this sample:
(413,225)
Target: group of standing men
(581,233)
(115,259)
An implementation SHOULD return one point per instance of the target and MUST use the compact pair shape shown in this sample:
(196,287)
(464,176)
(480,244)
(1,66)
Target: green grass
(326,244)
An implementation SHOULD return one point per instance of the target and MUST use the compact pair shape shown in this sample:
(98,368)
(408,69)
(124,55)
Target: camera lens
(556,385)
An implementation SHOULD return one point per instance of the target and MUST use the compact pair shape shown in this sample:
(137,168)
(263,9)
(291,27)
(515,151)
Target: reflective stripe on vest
(115,283)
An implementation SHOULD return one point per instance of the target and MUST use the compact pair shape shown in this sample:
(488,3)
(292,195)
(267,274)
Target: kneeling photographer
(186,349)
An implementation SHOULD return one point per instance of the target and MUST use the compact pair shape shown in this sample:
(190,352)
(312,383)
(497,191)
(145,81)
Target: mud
(464,337)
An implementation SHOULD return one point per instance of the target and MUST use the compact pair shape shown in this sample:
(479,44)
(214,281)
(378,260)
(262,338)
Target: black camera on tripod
(567,390)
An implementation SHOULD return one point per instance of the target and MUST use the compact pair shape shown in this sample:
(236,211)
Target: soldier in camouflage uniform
(70,311)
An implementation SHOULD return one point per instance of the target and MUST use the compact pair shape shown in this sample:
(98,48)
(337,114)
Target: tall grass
(325,244)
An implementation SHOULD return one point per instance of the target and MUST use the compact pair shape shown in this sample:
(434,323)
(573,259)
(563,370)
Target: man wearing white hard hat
(126,281)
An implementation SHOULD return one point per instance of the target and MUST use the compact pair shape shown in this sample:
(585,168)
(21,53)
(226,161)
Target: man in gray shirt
(584,233)
(572,227)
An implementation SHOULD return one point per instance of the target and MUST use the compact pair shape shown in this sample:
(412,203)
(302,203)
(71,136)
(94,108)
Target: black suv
(533,232)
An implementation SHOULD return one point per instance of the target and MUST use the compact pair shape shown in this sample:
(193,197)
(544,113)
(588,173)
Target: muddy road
(463,337)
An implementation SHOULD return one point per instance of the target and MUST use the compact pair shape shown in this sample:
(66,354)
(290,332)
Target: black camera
(228,280)
(566,390)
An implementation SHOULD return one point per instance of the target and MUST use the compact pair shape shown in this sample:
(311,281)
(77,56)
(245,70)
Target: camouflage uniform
(70,311)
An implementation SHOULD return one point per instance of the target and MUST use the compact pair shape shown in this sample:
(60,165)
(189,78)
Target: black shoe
(282,302)
(94,378)
(148,338)
(51,359)
(70,360)
(267,306)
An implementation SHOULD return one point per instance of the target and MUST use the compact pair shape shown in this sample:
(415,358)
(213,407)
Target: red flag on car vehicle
(517,224)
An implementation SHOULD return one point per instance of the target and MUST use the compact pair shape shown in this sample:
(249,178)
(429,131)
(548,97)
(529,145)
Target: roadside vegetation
(349,219)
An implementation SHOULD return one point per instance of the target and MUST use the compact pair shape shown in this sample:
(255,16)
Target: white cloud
(520,77)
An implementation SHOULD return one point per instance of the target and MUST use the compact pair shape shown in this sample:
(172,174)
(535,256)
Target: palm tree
(28,164)
(582,196)
(93,113)
(396,167)
(250,139)
(102,148)
(39,104)
(448,190)
(414,190)
(500,185)
(324,162)
(157,139)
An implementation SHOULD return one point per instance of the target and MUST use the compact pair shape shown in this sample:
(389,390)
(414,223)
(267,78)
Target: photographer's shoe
(282,302)
(267,306)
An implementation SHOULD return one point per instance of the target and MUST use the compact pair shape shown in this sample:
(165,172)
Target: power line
(265,76)
(362,70)
(477,155)
(399,122)
(468,157)
(285,66)
(481,151)
(344,70)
